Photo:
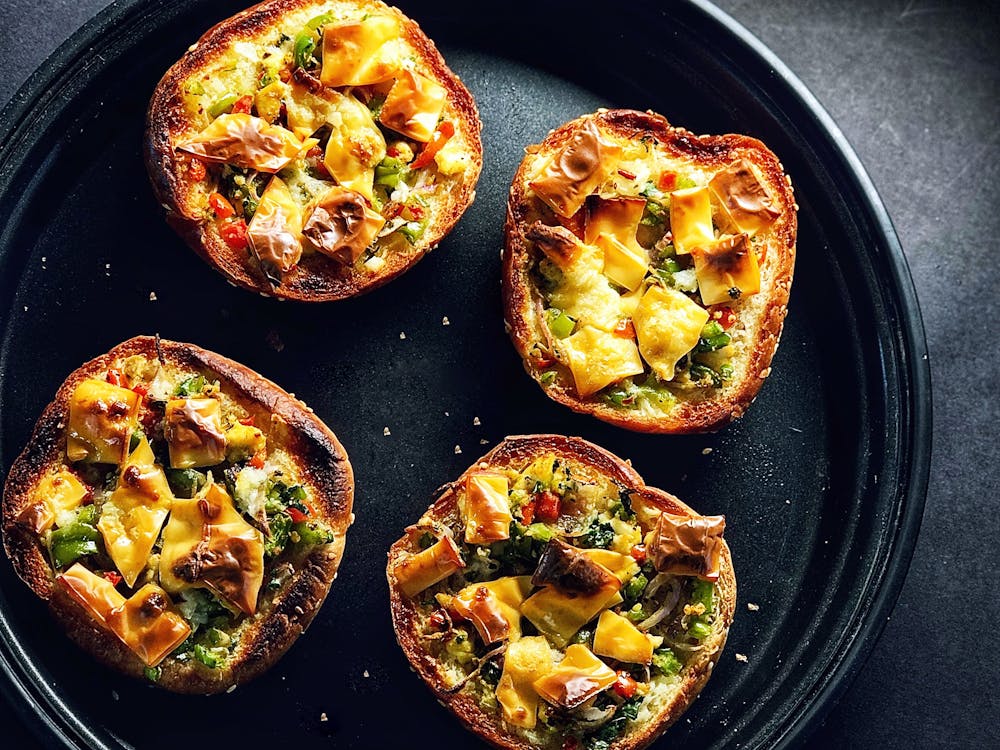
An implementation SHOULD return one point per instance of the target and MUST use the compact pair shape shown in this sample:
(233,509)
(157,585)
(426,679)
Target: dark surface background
(915,88)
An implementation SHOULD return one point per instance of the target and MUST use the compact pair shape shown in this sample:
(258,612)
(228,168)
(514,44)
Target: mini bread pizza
(647,270)
(313,149)
(551,599)
(182,516)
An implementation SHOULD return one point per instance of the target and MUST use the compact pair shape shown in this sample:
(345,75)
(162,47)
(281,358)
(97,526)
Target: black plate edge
(30,701)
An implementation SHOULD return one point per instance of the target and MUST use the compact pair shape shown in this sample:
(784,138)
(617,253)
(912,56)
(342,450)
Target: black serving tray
(822,482)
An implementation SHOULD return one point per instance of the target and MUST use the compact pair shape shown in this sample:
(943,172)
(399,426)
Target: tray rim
(38,705)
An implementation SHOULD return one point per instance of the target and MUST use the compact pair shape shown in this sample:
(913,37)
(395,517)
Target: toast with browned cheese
(550,599)
(313,149)
(647,270)
(183,516)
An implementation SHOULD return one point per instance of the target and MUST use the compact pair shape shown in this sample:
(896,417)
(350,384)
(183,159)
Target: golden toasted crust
(767,309)
(319,457)
(518,451)
(316,278)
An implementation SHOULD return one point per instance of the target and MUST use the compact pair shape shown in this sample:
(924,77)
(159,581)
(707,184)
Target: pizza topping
(360,52)
(341,225)
(484,507)
(525,661)
(684,545)
(570,569)
(577,678)
(727,269)
(745,204)
(413,106)
(422,570)
(275,230)
(690,218)
(207,543)
(132,516)
(244,141)
(597,359)
(193,429)
(576,170)
(355,147)
(668,325)
(54,495)
(617,638)
(146,622)
(102,418)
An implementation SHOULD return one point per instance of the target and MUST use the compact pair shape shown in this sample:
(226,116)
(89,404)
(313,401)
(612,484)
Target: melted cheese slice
(193,428)
(559,615)
(269,99)
(624,265)
(668,325)
(306,112)
(598,359)
(414,105)
(362,52)
(575,171)
(356,145)
(485,508)
(577,678)
(414,573)
(623,566)
(481,607)
(54,494)
(726,269)
(619,639)
(745,205)
(244,141)
(206,543)
(145,622)
(505,597)
(690,218)
(617,217)
(102,418)
(585,294)
(275,231)
(341,225)
(132,516)
(525,661)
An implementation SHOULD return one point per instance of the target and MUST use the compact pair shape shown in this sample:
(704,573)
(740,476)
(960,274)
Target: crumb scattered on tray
(152,296)
(445,321)
(458,449)
(705,451)
(385,431)
(476,422)
(402,335)
(753,607)
(742,658)
(323,717)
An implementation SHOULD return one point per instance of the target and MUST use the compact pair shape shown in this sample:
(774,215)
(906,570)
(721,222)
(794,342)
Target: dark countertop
(915,86)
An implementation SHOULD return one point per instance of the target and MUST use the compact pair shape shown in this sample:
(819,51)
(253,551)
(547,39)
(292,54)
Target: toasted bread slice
(647,270)
(549,596)
(183,516)
(313,149)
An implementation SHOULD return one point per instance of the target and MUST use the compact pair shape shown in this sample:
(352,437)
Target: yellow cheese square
(668,325)
(623,566)
(413,106)
(55,493)
(485,508)
(626,266)
(618,217)
(566,179)
(726,269)
(559,615)
(619,639)
(359,53)
(276,227)
(525,661)
(576,679)
(690,218)
(102,418)
(419,571)
(193,428)
(598,359)
(356,145)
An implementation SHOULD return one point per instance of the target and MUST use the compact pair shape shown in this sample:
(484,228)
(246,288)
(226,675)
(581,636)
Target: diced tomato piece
(197,170)
(221,207)
(626,174)
(726,317)
(528,512)
(638,553)
(248,422)
(140,389)
(441,136)
(392,210)
(625,329)
(547,506)
(416,212)
(297,515)
(624,686)
(763,253)
(112,576)
(243,105)
(235,234)
(258,459)
(315,153)
(114,377)
(667,181)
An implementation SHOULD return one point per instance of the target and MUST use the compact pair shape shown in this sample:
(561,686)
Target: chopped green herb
(302,50)
(223,105)
(185,483)
(613,729)
(713,337)
(634,588)
(280,525)
(75,540)
(701,593)
(547,377)
(666,662)
(190,386)
(152,674)
(210,657)
(312,533)
(559,322)
(320,20)
(699,629)
(413,231)
(636,613)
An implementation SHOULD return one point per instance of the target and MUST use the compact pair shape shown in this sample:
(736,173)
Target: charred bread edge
(320,457)
(516,449)
(165,120)
(707,151)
